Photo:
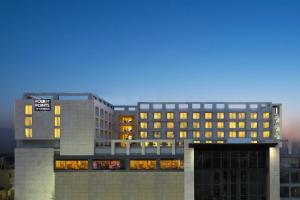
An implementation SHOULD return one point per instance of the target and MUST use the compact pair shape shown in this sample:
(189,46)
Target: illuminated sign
(42,104)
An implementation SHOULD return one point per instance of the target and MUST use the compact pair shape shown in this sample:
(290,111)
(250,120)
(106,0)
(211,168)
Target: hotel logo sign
(42,104)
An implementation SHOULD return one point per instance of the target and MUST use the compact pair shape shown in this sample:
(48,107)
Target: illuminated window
(266,134)
(254,134)
(253,115)
(127,119)
(170,115)
(208,115)
(157,125)
(143,125)
(143,134)
(56,132)
(183,124)
(220,142)
(196,134)
(253,124)
(232,134)
(171,164)
(196,124)
(220,134)
(156,134)
(220,124)
(254,142)
(208,134)
(241,115)
(107,165)
(208,124)
(157,115)
(71,164)
(182,134)
(266,115)
(56,121)
(232,124)
(28,109)
(142,164)
(196,115)
(127,128)
(170,124)
(28,121)
(242,124)
(220,115)
(232,115)
(143,115)
(242,134)
(266,125)
(170,134)
(28,132)
(208,142)
(57,109)
(183,115)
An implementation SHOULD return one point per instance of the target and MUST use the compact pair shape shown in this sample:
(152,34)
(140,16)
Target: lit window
(208,115)
(28,121)
(253,124)
(170,124)
(143,115)
(254,141)
(142,164)
(242,124)
(208,142)
(127,119)
(196,115)
(183,115)
(170,115)
(232,124)
(156,125)
(242,115)
(208,134)
(208,124)
(171,164)
(126,128)
(220,124)
(28,109)
(157,115)
(170,134)
(143,134)
(71,164)
(266,125)
(183,124)
(253,115)
(196,124)
(57,109)
(182,134)
(28,132)
(220,142)
(242,134)
(57,133)
(254,134)
(232,115)
(107,165)
(266,115)
(220,134)
(143,125)
(56,121)
(232,134)
(157,134)
(220,115)
(196,134)
(266,134)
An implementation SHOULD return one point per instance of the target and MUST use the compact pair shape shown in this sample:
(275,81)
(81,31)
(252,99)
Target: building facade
(79,146)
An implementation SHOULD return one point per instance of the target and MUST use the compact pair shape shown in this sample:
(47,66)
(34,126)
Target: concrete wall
(119,185)
(188,173)
(274,173)
(34,177)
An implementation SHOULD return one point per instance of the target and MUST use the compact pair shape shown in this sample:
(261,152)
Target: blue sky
(129,51)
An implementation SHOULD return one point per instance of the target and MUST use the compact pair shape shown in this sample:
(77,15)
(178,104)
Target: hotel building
(78,146)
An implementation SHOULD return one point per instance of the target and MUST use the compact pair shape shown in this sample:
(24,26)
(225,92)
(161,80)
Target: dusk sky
(129,51)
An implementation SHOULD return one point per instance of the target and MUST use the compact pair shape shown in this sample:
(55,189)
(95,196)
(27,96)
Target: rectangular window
(242,124)
(253,115)
(266,125)
(56,132)
(170,124)
(170,115)
(196,124)
(208,134)
(232,134)
(28,121)
(253,124)
(232,124)
(126,119)
(220,134)
(266,115)
(28,109)
(183,124)
(196,115)
(220,115)
(266,134)
(143,115)
(220,124)
(56,121)
(232,115)
(142,164)
(156,134)
(57,109)
(71,165)
(208,124)
(183,115)
(170,134)
(143,125)
(295,191)
(157,115)
(182,134)
(242,134)
(143,134)
(28,132)
(196,134)
(254,134)
(208,115)
(242,115)
(171,164)
(157,125)
(107,165)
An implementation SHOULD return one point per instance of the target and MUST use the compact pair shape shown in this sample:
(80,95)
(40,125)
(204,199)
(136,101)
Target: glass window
(107,165)
(28,132)
(295,191)
(295,178)
(170,134)
(183,115)
(208,134)
(232,124)
(71,164)
(56,132)
(28,121)
(253,124)
(266,124)
(254,134)
(56,121)
(157,115)
(127,119)
(170,115)
(208,141)
(208,124)
(182,134)
(28,109)
(266,115)
(220,115)
(143,124)
(183,124)
(242,134)
(196,134)
(242,115)
(232,115)
(284,177)
(170,124)
(143,134)
(196,124)
(242,124)
(156,134)
(266,134)
(143,115)
(196,115)
(157,125)
(57,109)
(284,192)
(220,124)
(171,164)
(208,115)
(142,164)
(220,134)
(232,134)
(253,115)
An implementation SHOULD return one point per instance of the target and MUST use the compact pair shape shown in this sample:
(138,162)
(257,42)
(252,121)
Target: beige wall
(274,174)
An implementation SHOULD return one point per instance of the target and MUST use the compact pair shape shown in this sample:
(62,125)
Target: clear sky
(148,50)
